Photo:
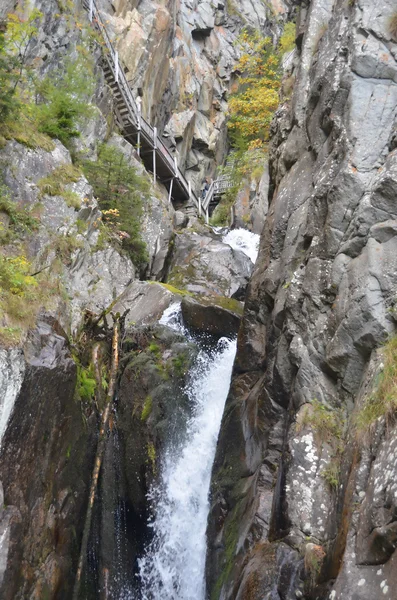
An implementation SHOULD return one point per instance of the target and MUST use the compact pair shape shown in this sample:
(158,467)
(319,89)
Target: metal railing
(217,188)
(134,116)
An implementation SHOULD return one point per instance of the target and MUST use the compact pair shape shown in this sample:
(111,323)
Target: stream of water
(174,564)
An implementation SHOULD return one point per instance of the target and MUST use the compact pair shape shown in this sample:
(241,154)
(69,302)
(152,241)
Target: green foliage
(8,79)
(119,190)
(15,43)
(180,364)
(251,109)
(65,97)
(383,402)
(14,276)
(86,383)
(147,408)
(21,220)
(287,39)
(154,348)
(23,129)
(151,452)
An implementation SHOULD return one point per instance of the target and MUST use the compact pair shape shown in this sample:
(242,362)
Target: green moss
(86,383)
(230,537)
(151,452)
(10,336)
(147,408)
(180,364)
(328,426)
(180,276)
(331,474)
(383,401)
(172,289)
(226,303)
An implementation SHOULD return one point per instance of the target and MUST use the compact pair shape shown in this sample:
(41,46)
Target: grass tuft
(383,402)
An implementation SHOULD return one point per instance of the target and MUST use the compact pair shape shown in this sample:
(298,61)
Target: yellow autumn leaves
(251,109)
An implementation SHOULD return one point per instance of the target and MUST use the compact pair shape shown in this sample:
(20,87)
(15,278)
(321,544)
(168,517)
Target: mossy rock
(210,318)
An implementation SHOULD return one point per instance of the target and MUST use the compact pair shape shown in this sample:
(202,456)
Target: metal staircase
(153,152)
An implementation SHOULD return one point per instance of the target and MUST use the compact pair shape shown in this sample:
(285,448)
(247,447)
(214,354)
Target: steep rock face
(45,469)
(319,304)
(181,57)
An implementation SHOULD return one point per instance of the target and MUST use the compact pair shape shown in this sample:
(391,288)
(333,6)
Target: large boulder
(202,264)
(212,317)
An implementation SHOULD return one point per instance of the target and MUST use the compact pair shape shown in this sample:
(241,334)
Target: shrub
(251,109)
(65,97)
(15,43)
(287,39)
(119,190)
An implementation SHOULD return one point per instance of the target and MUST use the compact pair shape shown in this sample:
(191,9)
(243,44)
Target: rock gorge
(302,502)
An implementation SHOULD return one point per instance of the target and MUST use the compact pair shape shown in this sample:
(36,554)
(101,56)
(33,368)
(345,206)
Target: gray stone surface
(201,263)
(319,304)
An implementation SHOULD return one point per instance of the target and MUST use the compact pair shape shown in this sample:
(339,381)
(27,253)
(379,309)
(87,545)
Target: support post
(207,216)
(116,66)
(91,10)
(170,192)
(139,106)
(154,152)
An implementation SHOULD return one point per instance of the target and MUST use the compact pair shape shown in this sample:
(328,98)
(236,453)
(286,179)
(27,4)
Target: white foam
(244,240)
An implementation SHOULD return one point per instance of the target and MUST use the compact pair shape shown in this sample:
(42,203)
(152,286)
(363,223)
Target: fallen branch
(99,452)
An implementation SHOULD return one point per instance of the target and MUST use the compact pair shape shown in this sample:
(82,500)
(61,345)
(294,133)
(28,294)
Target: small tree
(119,190)
(65,99)
(251,109)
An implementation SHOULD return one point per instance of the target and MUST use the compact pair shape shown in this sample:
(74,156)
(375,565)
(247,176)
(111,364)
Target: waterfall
(173,565)
(244,240)
(12,368)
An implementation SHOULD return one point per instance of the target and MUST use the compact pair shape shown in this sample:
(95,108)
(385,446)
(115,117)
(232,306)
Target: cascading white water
(174,563)
(12,368)
(244,240)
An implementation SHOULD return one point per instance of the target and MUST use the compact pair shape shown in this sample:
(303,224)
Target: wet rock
(145,302)
(152,408)
(45,465)
(201,263)
(211,318)
(318,305)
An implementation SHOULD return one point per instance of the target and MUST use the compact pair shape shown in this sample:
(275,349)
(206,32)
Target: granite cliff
(303,499)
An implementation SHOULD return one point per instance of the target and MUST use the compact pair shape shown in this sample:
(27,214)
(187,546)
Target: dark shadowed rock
(211,318)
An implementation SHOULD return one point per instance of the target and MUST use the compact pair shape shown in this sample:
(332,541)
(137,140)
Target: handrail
(217,187)
(138,121)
